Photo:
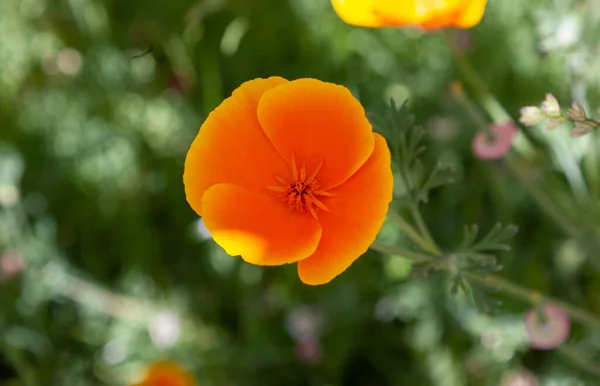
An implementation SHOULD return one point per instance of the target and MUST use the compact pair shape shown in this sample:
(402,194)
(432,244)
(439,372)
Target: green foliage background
(92,143)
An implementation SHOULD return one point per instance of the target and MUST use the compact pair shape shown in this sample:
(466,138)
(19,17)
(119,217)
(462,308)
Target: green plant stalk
(408,229)
(579,360)
(398,251)
(509,288)
(499,114)
(534,297)
(591,166)
(431,245)
(546,203)
(425,242)
(487,100)
(556,210)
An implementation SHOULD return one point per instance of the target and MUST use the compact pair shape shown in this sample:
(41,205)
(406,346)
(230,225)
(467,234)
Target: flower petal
(428,14)
(356,214)
(471,14)
(317,122)
(357,12)
(232,148)
(167,373)
(260,229)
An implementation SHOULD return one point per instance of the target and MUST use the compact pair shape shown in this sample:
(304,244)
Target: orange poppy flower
(290,171)
(166,374)
(427,14)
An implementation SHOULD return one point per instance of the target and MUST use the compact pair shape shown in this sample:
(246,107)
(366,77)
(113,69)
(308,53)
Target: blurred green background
(105,268)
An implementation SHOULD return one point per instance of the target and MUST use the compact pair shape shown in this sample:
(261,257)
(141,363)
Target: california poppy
(290,171)
(166,373)
(427,14)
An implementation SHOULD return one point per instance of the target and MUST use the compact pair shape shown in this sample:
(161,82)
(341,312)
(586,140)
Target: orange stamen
(317,170)
(280,179)
(302,194)
(294,169)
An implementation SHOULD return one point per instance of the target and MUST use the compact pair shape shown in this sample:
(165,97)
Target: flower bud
(551,107)
(531,116)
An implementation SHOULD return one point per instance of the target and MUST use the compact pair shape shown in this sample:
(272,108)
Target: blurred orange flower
(427,14)
(166,373)
(285,172)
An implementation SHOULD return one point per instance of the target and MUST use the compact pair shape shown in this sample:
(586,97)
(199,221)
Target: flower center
(303,193)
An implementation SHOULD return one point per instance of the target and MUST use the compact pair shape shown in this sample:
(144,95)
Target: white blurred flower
(9,195)
(114,352)
(303,323)
(531,116)
(69,61)
(551,107)
(569,31)
(164,329)
(201,231)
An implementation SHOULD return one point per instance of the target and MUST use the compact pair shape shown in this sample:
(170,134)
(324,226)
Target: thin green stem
(553,210)
(410,231)
(404,173)
(409,254)
(515,163)
(498,113)
(406,181)
(469,106)
(534,297)
(581,361)
(509,288)
(431,245)
(486,98)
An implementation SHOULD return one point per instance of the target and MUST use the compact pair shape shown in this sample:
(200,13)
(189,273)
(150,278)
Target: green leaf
(470,234)
(482,299)
(440,175)
(459,284)
(411,144)
(405,142)
(494,240)
(479,294)
(475,261)
(476,256)
(393,123)
(423,269)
